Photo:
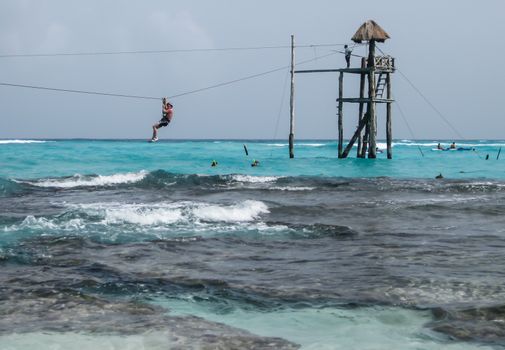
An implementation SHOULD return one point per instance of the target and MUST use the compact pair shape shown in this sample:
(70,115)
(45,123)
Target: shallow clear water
(313,158)
(127,244)
(330,327)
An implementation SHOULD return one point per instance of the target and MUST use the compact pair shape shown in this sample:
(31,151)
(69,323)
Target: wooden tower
(375,73)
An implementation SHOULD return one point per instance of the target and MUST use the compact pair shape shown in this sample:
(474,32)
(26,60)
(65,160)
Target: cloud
(57,37)
(179,29)
(37,26)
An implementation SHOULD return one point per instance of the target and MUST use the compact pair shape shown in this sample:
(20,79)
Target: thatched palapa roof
(370,31)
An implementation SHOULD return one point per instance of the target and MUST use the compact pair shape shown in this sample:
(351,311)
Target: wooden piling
(389,132)
(292,101)
(371,104)
(361,105)
(364,146)
(340,114)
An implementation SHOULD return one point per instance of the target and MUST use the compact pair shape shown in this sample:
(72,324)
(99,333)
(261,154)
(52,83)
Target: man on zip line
(167,112)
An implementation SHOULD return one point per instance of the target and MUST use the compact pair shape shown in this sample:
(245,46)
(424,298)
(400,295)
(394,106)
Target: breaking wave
(88,180)
(22,141)
(163,180)
(97,217)
(253,179)
(299,144)
(144,179)
(459,144)
(245,211)
(169,213)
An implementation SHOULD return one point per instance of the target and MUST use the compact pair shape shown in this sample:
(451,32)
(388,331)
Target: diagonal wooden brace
(354,137)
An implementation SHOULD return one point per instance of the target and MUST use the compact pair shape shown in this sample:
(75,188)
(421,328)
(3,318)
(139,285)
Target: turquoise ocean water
(412,159)
(125,244)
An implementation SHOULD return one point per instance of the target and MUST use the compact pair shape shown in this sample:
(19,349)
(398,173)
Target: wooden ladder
(381,85)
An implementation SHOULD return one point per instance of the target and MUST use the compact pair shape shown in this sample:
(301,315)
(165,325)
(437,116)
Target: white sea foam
(139,214)
(86,181)
(441,199)
(172,213)
(153,219)
(296,144)
(311,144)
(254,179)
(33,222)
(380,145)
(42,223)
(458,144)
(484,183)
(292,188)
(22,141)
(245,211)
(480,144)
(142,216)
(440,292)
(425,144)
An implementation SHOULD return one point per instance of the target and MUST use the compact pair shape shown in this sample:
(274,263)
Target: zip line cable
(159,98)
(228,82)
(412,133)
(80,91)
(141,52)
(458,134)
(431,105)
(437,111)
(248,77)
(408,125)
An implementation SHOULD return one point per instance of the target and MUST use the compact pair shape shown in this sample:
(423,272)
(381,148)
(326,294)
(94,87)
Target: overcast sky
(451,50)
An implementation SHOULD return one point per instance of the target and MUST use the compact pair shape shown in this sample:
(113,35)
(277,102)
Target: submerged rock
(474,324)
(62,312)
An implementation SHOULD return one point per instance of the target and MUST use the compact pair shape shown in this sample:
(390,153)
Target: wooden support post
(371,105)
(364,146)
(292,101)
(340,114)
(389,132)
(361,95)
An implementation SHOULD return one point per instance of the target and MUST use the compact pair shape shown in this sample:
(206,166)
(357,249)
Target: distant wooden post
(292,101)
(389,132)
(340,114)
(371,104)
(361,96)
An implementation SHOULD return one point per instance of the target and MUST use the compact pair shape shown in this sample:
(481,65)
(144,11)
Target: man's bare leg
(155,132)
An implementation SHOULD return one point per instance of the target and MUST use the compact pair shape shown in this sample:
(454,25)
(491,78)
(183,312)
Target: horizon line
(231,139)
